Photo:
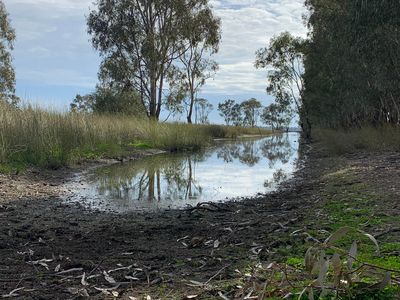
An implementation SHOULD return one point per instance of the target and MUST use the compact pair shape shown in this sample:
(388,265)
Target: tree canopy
(140,41)
(283,58)
(352,65)
(7,73)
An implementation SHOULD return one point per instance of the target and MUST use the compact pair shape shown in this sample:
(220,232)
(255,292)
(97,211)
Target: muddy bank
(36,183)
(50,250)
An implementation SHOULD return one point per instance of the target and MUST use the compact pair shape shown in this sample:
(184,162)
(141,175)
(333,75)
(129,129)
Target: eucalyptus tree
(251,111)
(352,66)
(276,116)
(139,40)
(203,33)
(7,73)
(109,100)
(284,59)
(203,109)
(231,112)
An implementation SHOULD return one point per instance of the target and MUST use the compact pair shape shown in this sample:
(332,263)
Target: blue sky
(54,59)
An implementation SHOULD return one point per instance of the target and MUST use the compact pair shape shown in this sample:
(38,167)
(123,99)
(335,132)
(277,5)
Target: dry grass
(338,142)
(50,139)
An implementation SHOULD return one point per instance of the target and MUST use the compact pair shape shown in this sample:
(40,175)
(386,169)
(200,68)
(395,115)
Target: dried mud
(53,250)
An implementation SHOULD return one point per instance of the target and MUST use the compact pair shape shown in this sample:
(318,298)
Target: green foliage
(284,59)
(109,101)
(140,41)
(337,271)
(276,116)
(231,112)
(203,33)
(352,63)
(7,73)
(202,110)
(251,111)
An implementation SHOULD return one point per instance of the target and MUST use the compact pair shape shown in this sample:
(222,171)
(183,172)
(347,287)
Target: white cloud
(53,46)
(248,25)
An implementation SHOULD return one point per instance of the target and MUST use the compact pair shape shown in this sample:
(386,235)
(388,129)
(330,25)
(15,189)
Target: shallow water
(226,171)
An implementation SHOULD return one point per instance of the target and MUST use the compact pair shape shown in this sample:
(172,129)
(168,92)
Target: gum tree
(140,40)
(284,59)
(204,35)
(7,73)
(251,111)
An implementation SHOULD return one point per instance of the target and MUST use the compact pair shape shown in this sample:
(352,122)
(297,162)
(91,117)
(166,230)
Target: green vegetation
(31,136)
(147,44)
(283,60)
(352,63)
(338,142)
(347,210)
(7,72)
(246,113)
(110,101)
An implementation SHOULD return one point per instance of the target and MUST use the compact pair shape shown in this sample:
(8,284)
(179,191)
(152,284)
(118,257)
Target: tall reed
(35,136)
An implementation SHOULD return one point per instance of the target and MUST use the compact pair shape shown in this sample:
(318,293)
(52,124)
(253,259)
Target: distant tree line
(250,112)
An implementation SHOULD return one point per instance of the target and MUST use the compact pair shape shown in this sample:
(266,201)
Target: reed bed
(33,136)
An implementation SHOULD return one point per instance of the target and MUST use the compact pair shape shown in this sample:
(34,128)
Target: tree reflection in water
(247,152)
(230,169)
(170,177)
(276,148)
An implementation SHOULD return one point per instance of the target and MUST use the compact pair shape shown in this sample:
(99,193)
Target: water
(226,171)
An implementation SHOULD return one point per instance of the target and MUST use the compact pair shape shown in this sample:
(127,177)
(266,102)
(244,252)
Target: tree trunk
(153,99)
(189,116)
(160,90)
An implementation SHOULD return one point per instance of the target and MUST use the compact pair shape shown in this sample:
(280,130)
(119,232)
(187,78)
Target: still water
(228,170)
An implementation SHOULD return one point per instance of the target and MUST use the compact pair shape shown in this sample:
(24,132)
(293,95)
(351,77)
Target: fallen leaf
(13,293)
(108,278)
(104,291)
(132,278)
(57,269)
(372,239)
(83,281)
(70,271)
(352,255)
(222,296)
(115,294)
(216,244)
(341,232)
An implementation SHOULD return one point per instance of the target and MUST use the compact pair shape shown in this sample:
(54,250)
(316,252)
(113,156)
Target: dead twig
(209,206)
(215,275)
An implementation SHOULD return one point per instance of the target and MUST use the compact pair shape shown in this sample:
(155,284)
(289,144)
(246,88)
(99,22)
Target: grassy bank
(338,142)
(357,193)
(32,136)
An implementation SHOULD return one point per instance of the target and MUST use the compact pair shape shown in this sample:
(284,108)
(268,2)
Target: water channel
(229,170)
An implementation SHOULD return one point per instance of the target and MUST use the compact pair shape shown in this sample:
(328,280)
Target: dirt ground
(51,250)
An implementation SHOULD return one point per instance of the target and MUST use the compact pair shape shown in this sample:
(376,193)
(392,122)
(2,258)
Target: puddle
(228,170)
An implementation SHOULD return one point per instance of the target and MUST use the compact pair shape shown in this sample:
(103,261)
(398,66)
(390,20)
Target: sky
(54,59)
